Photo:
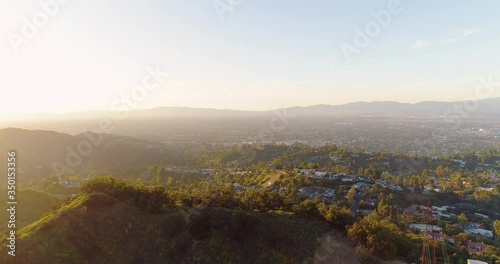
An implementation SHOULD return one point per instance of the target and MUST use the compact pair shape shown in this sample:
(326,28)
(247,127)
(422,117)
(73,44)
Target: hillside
(34,205)
(38,151)
(101,228)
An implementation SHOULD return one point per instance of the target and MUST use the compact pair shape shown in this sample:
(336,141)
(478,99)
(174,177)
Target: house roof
(436,235)
(471,261)
(476,244)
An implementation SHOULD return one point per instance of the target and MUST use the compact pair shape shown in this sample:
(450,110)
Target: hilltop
(122,224)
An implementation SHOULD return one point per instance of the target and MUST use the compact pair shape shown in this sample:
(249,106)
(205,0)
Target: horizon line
(235,110)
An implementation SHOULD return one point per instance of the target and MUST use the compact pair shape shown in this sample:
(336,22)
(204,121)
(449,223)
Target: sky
(72,56)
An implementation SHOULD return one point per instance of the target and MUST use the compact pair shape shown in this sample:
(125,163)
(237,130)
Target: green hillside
(43,153)
(123,224)
(31,206)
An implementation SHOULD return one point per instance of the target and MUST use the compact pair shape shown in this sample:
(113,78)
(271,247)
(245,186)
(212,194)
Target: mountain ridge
(421,109)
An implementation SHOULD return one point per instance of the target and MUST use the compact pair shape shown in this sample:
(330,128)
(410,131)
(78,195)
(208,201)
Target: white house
(470,261)
(348,179)
(319,174)
(422,227)
(480,232)
(481,215)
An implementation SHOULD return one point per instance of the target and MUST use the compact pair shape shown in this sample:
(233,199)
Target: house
(329,193)
(423,227)
(363,179)
(427,190)
(462,163)
(470,261)
(307,190)
(480,232)
(372,202)
(416,209)
(475,225)
(332,176)
(334,158)
(395,187)
(313,191)
(361,185)
(475,248)
(383,183)
(449,216)
(481,215)
(305,171)
(440,209)
(348,179)
(462,208)
(319,174)
(440,237)
(485,189)
(238,187)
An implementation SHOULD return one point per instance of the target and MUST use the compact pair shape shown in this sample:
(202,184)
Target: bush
(366,255)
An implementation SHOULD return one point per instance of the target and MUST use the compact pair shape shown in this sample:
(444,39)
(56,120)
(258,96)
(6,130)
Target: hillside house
(475,248)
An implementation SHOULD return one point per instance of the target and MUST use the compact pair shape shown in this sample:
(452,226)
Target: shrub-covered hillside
(111,222)
(32,204)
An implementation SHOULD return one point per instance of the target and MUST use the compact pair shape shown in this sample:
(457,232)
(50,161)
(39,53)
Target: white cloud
(465,33)
(420,44)
(471,31)
(451,40)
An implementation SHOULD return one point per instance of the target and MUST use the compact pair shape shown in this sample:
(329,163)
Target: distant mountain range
(422,109)
(425,109)
(428,108)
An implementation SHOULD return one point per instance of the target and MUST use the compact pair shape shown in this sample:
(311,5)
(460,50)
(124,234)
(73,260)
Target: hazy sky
(262,55)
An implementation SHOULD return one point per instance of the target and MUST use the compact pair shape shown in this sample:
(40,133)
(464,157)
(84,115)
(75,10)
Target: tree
(383,208)
(386,176)
(461,239)
(351,195)
(406,220)
(399,180)
(372,172)
(441,171)
(462,219)
(497,227)
(415,183)
(380,235)
(339,216)
(306,208)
